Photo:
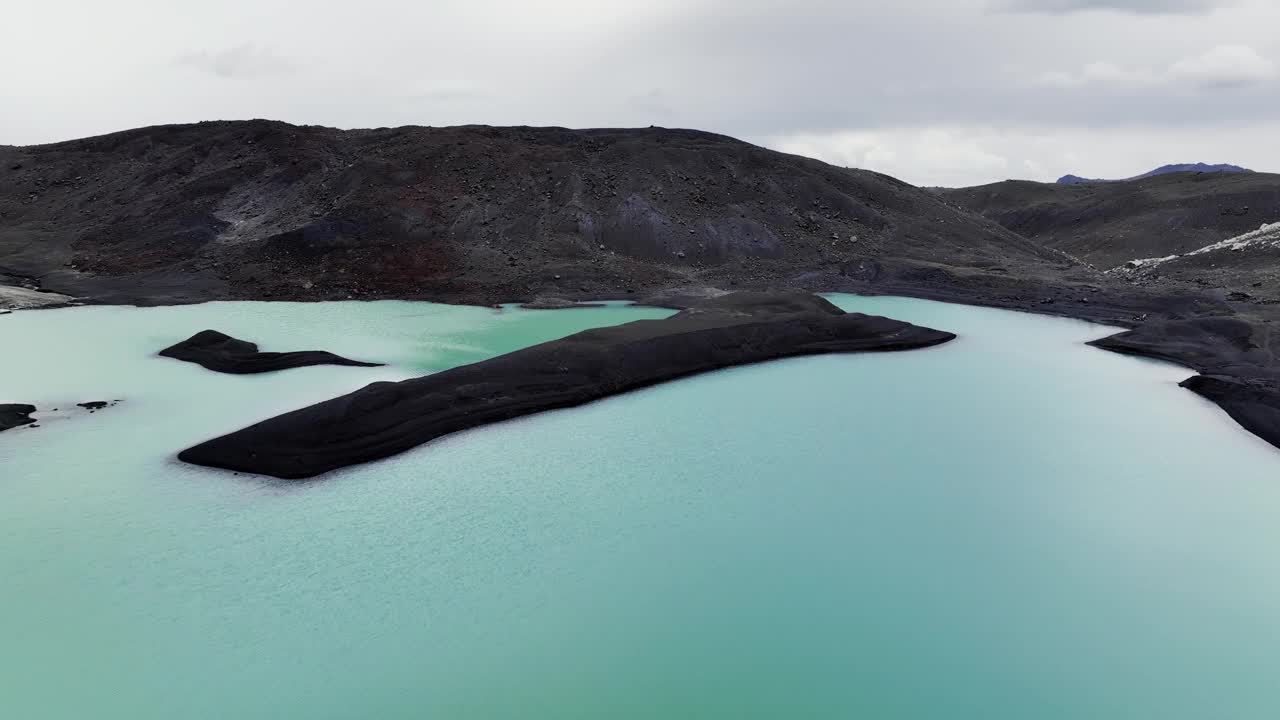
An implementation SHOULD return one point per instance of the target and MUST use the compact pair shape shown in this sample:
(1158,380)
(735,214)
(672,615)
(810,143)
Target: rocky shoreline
(263,210)
(1175,325)
(387,418)
(1253,404)
(14,415)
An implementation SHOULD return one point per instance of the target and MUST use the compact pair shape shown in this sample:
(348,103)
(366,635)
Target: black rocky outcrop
(223,353)
(15,415)
(1255,404)
(386,418)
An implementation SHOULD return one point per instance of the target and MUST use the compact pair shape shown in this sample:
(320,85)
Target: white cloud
(1101,73)
(746,68)
(1152,7)
(448,95)
(653,103)
(958,156)
(246,60)
(1225,66)
(935,156)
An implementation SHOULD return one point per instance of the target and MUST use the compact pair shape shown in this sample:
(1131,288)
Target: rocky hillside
(270,210)
(1248,263)
(266,210)
(1111,223)
(1162,170)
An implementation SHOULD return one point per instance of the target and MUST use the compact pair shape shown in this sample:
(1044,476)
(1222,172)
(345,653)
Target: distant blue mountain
(1163,170)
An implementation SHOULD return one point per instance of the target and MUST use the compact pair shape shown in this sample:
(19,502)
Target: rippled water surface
(1009,526)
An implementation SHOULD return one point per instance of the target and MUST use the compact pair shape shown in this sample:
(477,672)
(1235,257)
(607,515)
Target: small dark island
(15,415)
(386,418)
(222,353)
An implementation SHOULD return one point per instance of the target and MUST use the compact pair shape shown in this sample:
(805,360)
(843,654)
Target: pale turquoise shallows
(1010,527)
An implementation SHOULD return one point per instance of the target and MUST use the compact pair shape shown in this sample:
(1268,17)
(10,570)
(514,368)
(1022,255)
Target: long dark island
(386,418)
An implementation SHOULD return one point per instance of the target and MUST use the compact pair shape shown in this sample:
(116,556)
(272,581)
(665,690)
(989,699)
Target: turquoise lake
(1013,526)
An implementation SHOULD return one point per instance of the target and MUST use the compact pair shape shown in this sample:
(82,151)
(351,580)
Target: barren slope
(1107,224)
(264,209)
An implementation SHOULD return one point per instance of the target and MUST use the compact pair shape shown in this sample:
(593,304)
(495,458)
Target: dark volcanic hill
(1108,224)
(1162,170)
(264,209)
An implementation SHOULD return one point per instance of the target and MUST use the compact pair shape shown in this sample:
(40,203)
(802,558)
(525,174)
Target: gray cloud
(1226,66)
(1133,6)
(448,95)
(245,60)
(936,91)
(1222,68)
(653,103)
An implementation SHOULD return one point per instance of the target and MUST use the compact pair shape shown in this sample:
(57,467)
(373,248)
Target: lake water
(1011,526)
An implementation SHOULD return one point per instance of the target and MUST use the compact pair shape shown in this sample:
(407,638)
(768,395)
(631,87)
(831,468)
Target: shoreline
(1165,327)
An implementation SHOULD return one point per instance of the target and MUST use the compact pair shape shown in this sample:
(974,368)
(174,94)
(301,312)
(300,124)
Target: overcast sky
(936,92)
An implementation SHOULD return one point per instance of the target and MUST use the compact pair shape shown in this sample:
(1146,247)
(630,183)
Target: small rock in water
(93,405)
